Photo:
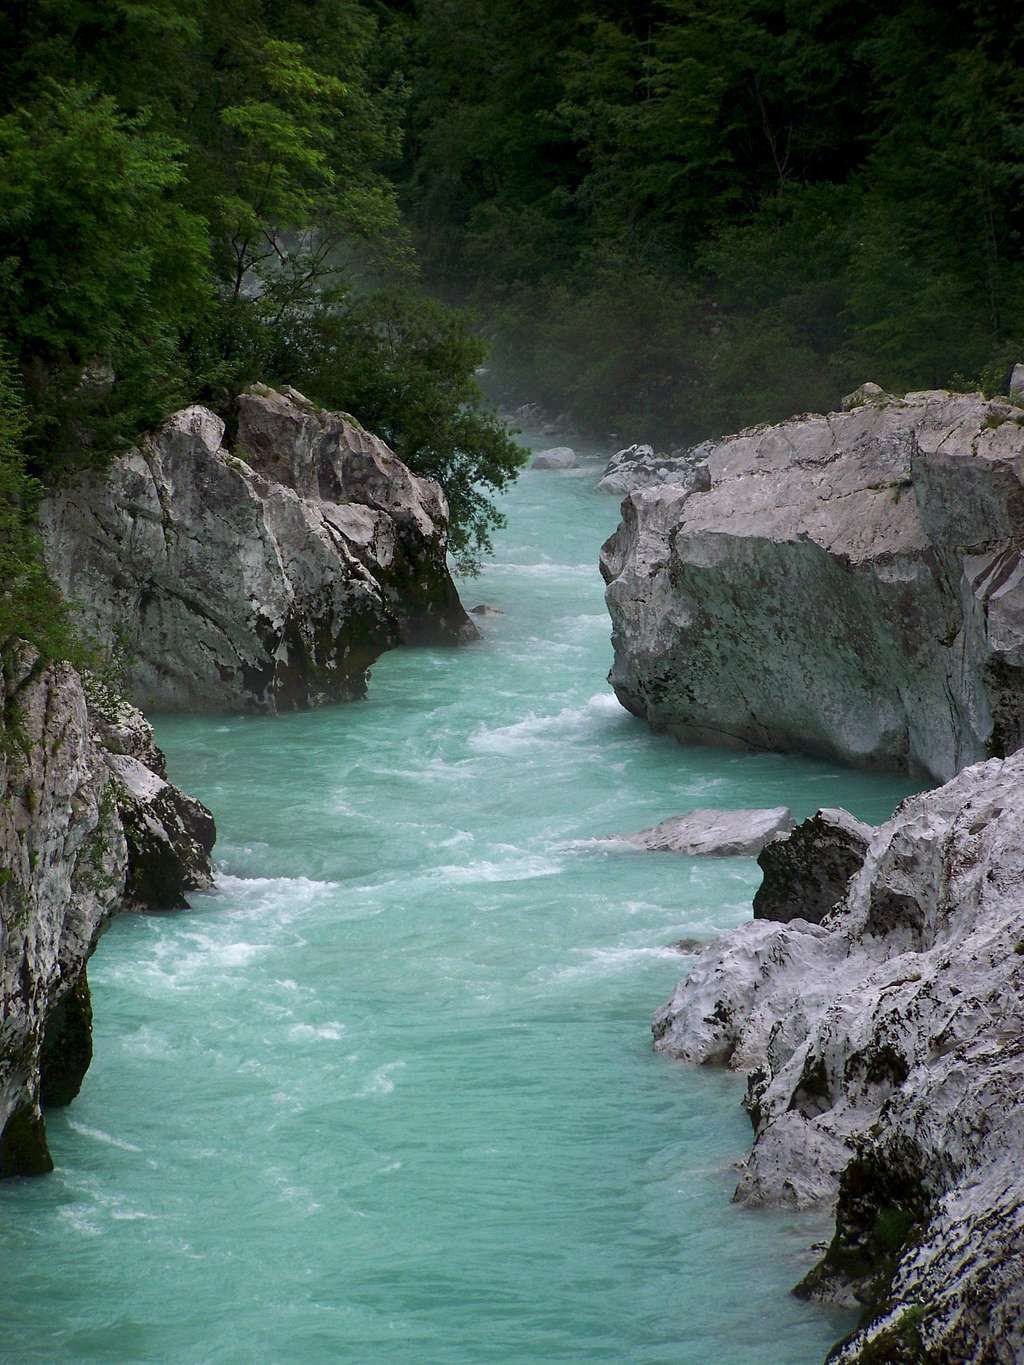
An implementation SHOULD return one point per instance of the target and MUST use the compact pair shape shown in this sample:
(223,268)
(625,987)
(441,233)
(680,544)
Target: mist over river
(388,1094)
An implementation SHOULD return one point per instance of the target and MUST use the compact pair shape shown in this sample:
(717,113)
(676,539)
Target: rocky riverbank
(846,585)
(885,1061)
(89,826)
(851,585)
(265,576)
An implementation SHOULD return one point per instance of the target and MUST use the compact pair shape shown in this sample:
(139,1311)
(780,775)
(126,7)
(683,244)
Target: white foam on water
(303,1032)
(380,1082)
(98,1135)
(605,962)
(548,569)
(551,729)
(523,867)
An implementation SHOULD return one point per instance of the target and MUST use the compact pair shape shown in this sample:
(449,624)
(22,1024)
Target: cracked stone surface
(848,585)
(266,577)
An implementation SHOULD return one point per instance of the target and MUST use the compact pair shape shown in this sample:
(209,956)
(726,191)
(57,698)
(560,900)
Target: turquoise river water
(388,1094)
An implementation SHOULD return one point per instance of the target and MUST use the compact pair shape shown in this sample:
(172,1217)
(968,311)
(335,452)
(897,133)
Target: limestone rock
(169,834)
(71,855)
(266,578)
(638,466)
(1016,385)
(885,1056)
(850,585)
(807,873)
(558,457)
(714,833)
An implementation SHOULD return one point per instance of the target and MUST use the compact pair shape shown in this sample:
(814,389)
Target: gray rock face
(558,457)
(713,833)
(81,828)
(886,1060)
(806,873)
(849,585)
(263,579)
(638,466)
(1017,382)
(169,834)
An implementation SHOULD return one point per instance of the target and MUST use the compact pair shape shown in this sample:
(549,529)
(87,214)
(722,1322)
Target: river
(388,1094)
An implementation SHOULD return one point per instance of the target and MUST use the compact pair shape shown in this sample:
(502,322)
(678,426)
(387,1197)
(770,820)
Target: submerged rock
(886,1063)
(638,466)
(713,833)
(264,578)
(806,873)
(849,585)
(81,827)
(485,609)
(558,457)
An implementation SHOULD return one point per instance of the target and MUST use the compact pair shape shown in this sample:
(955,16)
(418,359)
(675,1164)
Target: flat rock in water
(714,833)
(485,609)
(558,457)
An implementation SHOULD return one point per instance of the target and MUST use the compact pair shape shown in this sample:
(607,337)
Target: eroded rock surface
(265,577)
(86,816)
(713,833)
(885,1057)
(848,585)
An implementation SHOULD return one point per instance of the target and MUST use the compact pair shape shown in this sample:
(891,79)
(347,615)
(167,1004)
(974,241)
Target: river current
(388,1094)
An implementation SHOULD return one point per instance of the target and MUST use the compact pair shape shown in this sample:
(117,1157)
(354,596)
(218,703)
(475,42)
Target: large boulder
(713,833)
(849,585)
(885,1062)
(263,577)
(558,457)
(82,827)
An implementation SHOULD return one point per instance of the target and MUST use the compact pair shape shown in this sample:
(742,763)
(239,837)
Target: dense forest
(684,216)
(668,219)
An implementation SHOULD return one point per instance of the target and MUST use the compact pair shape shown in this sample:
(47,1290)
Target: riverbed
(388,1094)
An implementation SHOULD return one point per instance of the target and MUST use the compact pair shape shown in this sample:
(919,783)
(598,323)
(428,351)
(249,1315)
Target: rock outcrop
(848,585)
(263,577)
(885,1057)
(89,825)
(713,833)
(638,466)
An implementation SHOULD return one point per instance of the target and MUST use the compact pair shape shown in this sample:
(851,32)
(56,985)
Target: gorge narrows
(387,1093)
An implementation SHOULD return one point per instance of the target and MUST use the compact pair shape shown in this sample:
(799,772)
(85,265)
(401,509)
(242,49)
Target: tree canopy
(684,215)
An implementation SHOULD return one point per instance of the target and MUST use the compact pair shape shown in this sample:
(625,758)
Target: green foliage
(189,192)
(406,366)
(31,609)
(704,213)
(98,263)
